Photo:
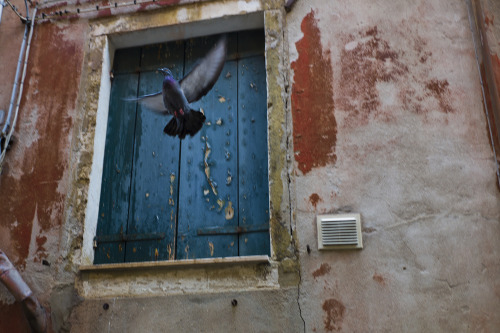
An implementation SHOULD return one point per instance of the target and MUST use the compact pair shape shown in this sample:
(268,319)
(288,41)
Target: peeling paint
(211,247)
(322,270)
(314,199)
(229,211)
(366,61)
(334,314)
(440,90)
(314,124)
(50,108)
(207,152)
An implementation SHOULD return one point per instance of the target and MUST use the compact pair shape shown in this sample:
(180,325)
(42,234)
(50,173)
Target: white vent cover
(339,231)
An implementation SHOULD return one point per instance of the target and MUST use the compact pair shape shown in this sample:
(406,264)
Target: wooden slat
(207,193)
(117,168)
(154,181)
(153,204)
(252,142)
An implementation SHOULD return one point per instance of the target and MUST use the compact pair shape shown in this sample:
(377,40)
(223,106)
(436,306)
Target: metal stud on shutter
(340,231)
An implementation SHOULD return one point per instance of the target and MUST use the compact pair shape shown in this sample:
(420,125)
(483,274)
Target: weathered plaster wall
(35,181)
(45,185)
(387,117)
(262,311)
(388,122)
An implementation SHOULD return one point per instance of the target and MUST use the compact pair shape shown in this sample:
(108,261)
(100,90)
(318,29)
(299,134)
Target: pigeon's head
(165,71)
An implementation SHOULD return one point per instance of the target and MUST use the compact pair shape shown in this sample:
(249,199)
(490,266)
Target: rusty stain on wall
(53,74)
(440,90)
(322,270)
(314,199)
(314,124)
(366,60)
(334,314)
(371,64)
(379,279)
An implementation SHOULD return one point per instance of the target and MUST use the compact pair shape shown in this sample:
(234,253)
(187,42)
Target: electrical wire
(14,8)
(70,12)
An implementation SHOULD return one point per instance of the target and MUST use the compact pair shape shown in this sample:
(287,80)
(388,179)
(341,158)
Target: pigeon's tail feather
(189,123)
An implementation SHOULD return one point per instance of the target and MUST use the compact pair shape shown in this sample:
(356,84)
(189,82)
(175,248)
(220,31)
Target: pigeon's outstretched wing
(153,102)
(203,76)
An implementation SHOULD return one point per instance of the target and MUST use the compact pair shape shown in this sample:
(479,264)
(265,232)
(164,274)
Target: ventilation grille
(341,231)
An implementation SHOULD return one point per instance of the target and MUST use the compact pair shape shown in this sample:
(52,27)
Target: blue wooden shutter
(153,198)
(116,177)
(252,143)
(205,196)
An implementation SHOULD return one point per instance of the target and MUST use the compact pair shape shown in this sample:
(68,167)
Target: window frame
(223,243)
(105,36)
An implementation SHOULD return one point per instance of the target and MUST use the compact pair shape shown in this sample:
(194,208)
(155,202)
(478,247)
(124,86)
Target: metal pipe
(5,139)
(11,278)
(2,4)
(488,86)
(18,71)
(16,79)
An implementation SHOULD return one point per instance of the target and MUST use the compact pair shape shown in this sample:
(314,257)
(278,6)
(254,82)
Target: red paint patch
(322,270)
(48,106)
(366,59)
(335,311)
(314,124)
(314,199)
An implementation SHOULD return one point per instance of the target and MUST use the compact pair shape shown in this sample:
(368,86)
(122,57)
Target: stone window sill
(191,276)
(175,264)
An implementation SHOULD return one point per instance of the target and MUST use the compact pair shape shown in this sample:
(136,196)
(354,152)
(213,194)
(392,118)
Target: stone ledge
(192,276)
(186,263)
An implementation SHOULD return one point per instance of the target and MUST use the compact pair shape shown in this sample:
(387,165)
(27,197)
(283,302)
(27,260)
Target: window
(205,196)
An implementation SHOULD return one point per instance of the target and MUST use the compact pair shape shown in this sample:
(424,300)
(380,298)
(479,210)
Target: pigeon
(175,96)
